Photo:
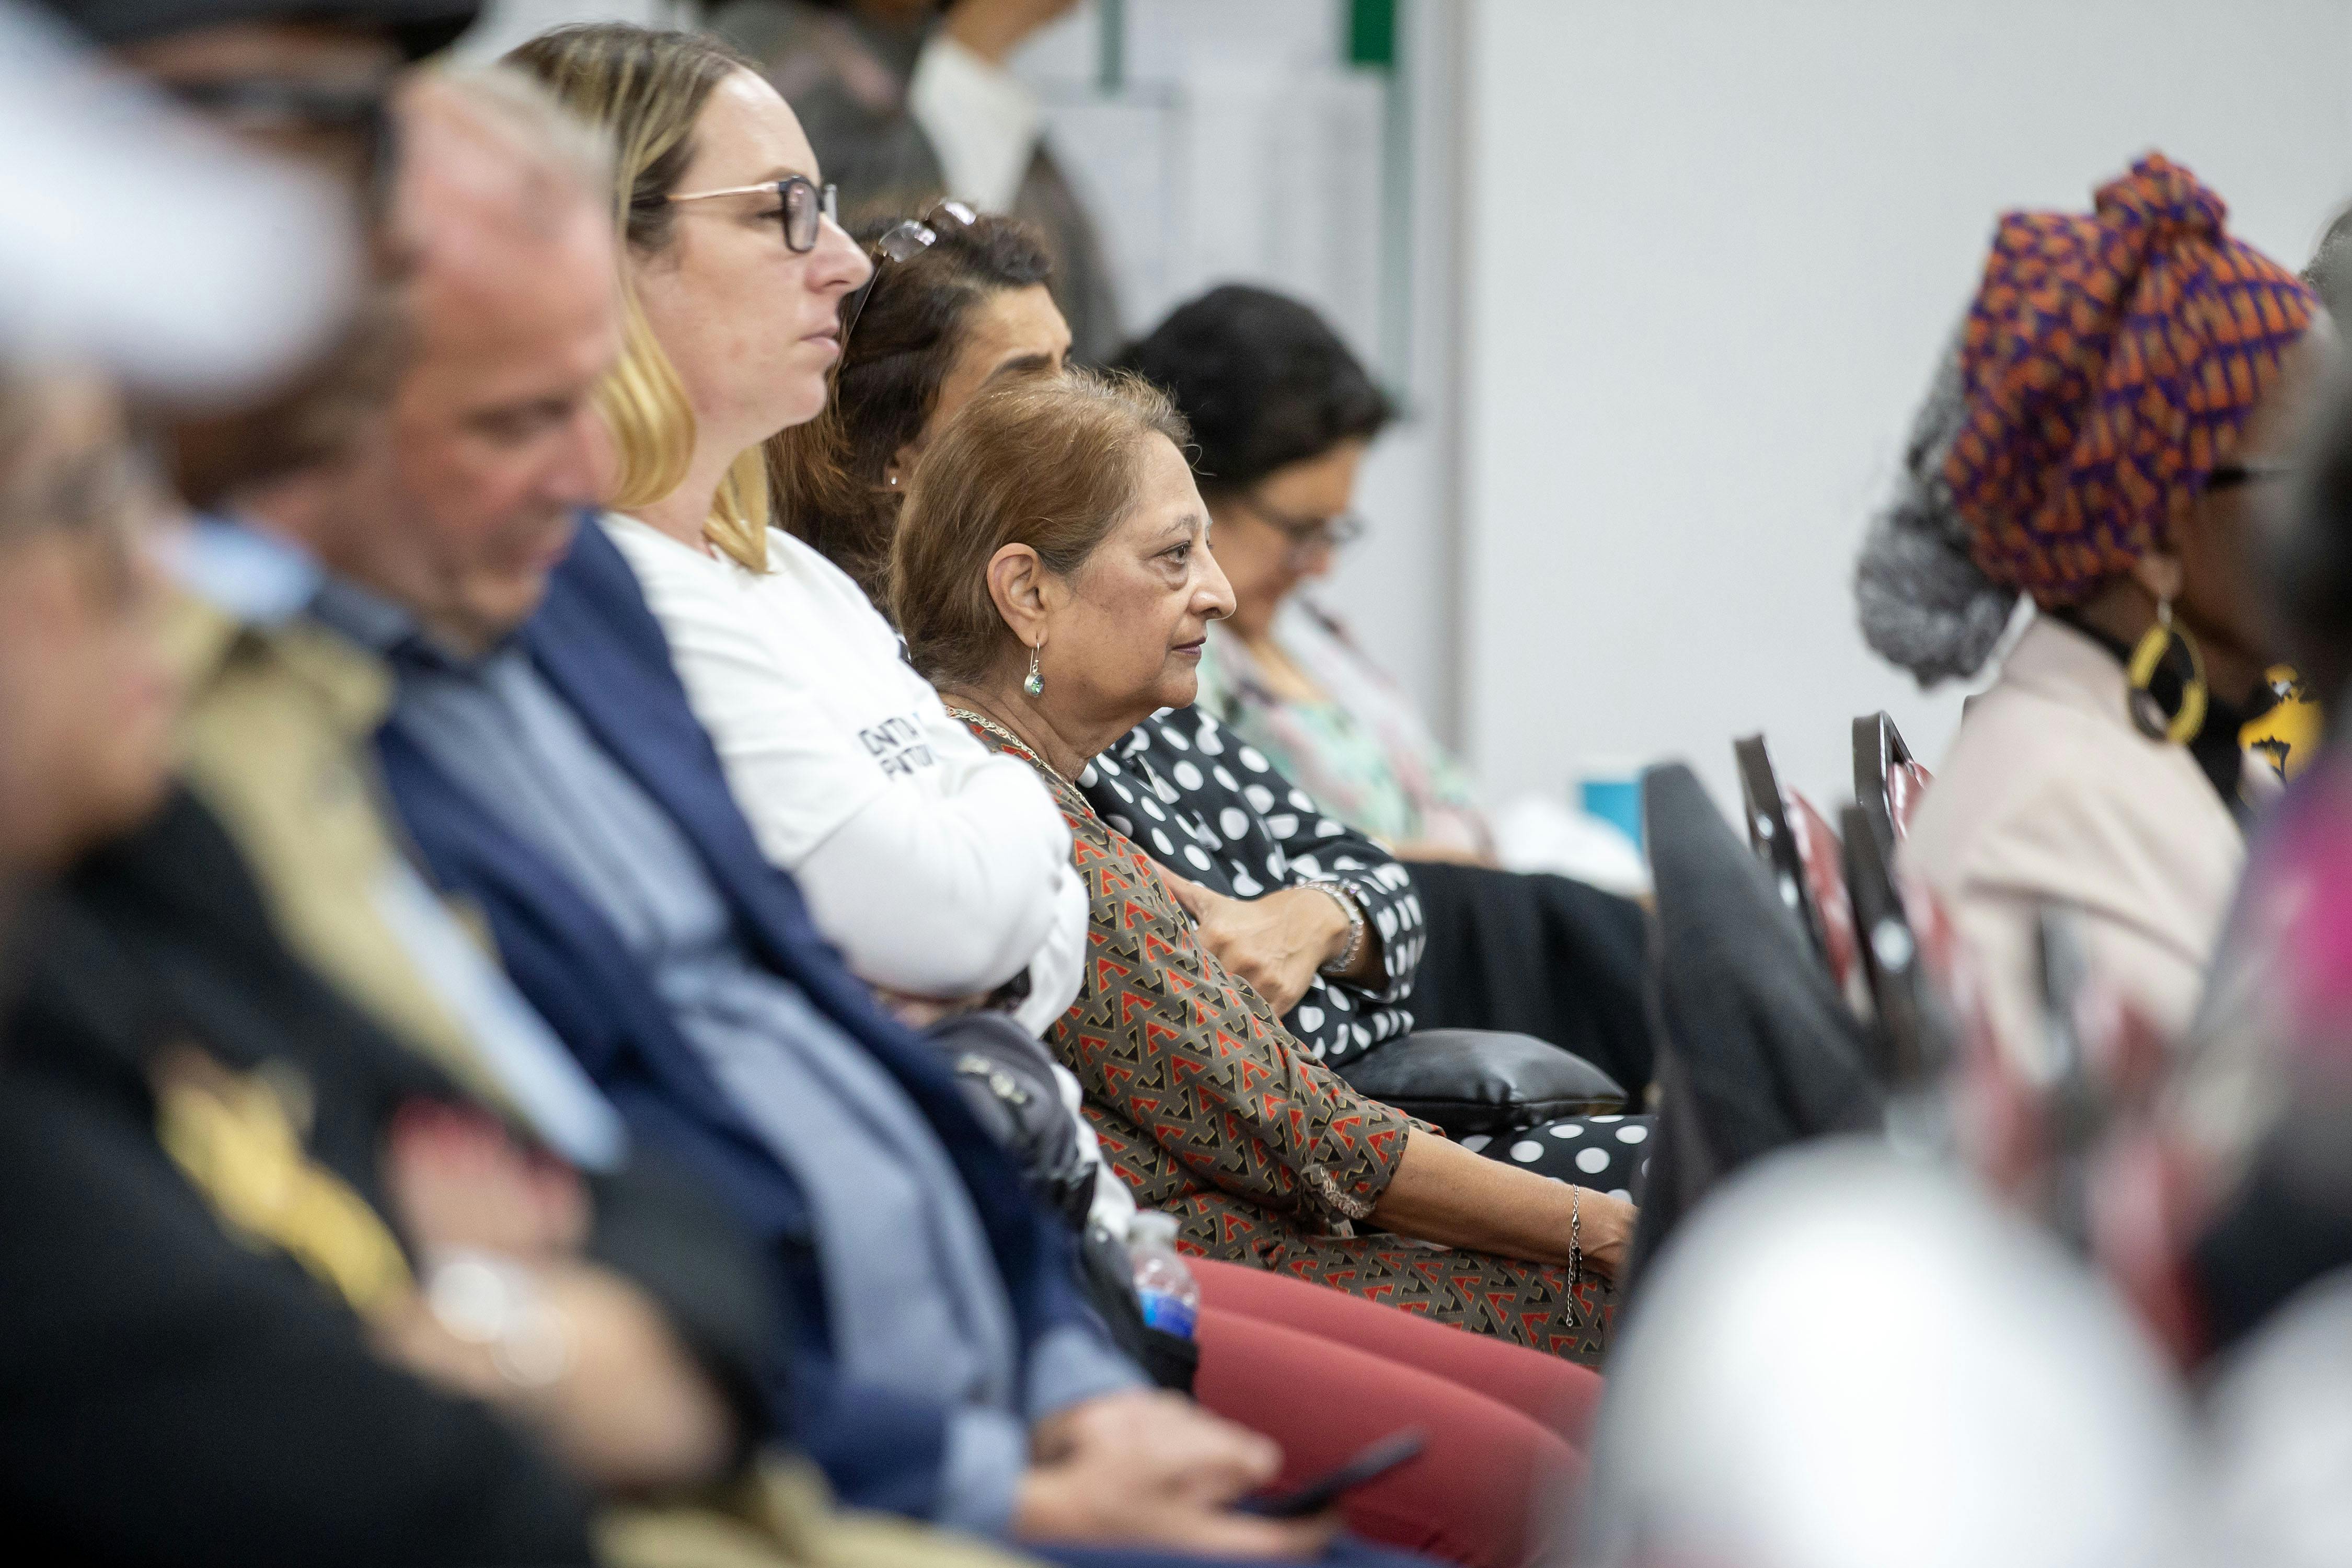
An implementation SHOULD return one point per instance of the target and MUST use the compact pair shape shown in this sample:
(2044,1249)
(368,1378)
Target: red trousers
(1326,1373)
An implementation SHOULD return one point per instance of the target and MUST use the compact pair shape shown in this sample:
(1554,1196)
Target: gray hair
(2330,271)
(531,124)
(1924,604)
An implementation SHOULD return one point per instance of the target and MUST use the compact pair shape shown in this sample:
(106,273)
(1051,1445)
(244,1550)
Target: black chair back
(1757,1050)
(1887,780)
(1774,836)
(1912,1033)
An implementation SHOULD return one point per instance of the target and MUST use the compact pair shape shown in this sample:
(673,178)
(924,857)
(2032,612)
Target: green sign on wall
(1372,33)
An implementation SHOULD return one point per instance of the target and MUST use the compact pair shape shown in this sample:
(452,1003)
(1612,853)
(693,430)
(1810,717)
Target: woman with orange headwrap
(2122,395)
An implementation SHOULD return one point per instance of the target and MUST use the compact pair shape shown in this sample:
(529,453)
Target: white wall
(506,23)
(1242,148)
(1713,249)
(1400,589)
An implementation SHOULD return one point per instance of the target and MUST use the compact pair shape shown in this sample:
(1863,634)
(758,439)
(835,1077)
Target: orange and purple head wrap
(2108,364)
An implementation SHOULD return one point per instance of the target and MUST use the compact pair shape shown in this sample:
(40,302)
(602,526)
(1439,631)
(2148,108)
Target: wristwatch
(1345,897)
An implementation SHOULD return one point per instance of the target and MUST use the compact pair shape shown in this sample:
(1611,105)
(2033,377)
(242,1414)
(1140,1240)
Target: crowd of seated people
(624,888)
(1277,888)
(1282,415)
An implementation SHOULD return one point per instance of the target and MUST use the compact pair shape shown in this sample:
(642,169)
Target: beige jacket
(2050,795)
(275,740)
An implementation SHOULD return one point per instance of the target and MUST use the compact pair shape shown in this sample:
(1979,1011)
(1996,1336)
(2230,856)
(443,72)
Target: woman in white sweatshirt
(941,871)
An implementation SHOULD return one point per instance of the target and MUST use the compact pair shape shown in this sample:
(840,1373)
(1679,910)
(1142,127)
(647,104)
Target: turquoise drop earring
(1035,685)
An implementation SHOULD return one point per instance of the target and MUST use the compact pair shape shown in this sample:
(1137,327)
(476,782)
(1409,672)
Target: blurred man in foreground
(376,1318)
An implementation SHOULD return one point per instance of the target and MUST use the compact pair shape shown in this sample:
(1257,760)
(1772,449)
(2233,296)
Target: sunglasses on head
(901,242)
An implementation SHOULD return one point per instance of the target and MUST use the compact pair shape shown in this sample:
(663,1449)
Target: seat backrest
(1774,835)
(1887,780)
(1758,1048)
(1912,1026)
(1800,851)
(1823,858)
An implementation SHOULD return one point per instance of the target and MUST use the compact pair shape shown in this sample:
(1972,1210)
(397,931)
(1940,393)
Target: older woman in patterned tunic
(1052,576)
(1276,884)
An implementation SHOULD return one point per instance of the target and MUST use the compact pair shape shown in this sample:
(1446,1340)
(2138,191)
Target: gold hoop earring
(1035,685)
(2148,715)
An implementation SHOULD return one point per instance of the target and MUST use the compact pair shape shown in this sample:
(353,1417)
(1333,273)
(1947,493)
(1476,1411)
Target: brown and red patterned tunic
(1209,1110)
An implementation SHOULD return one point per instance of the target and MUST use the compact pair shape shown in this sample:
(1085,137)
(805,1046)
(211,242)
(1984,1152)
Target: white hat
(1848,1361)
(135,238)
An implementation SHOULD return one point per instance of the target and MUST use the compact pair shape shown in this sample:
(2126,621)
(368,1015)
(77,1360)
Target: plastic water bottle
(1171,1296)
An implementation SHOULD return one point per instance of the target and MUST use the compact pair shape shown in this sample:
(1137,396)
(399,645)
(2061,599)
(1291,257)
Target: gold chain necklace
(1010,739)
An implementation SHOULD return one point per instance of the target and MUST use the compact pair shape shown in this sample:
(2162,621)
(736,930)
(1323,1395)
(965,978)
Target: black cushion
(1469,1081)
(1535,955)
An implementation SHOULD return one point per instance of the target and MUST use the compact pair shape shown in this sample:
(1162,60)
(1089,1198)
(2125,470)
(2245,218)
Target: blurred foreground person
(509,269)
(180,325)
(1282,416)
(2265,1095)
(190,1374)
(378,1321)
(307,80)
(911,101)
(2112,420)
(1847,1362)
(2279,1434)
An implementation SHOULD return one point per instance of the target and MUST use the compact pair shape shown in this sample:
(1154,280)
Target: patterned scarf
(2109,362)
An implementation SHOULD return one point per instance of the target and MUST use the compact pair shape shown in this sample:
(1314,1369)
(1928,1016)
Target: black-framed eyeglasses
(802,207)
(901,242)
(2232,476)
(1307,535)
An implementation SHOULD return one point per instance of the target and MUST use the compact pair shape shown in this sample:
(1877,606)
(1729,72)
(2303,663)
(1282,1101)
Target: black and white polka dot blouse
(1199,800)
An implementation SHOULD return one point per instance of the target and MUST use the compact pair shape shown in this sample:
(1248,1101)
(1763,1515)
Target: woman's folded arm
(943,896)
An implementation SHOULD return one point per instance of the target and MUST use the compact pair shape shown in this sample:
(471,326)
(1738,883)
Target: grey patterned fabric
(1924,605)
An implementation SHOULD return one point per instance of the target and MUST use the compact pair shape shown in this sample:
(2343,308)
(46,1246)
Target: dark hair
(827,476)
(1051,463)
(2309,558)
(1262,379)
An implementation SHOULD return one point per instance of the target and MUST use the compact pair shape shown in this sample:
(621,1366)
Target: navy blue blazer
(599,645)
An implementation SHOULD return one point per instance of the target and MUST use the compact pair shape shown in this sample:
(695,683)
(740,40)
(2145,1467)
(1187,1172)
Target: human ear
(899,471)
(1018,584)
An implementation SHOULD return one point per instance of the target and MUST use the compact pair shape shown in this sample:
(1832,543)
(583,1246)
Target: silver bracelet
(1340,894)
(1575,1237)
